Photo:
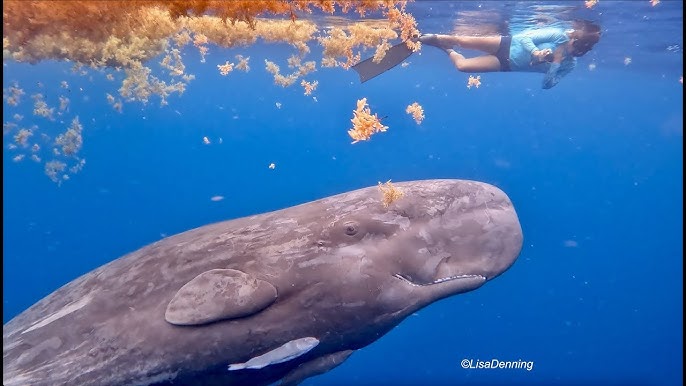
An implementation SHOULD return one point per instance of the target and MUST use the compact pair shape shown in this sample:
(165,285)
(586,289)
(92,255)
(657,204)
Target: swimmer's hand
(540,56)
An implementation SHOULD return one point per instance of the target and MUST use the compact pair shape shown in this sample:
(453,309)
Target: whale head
(441,238)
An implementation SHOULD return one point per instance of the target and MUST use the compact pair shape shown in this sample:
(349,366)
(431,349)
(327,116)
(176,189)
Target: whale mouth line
(438,281)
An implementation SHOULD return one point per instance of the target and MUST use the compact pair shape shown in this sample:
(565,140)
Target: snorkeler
(552,51)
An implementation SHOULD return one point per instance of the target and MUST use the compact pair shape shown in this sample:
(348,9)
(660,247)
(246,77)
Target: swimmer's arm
(559,54)
(531,39)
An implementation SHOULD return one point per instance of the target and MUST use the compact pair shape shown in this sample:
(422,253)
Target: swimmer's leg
(484,63)
(487,44)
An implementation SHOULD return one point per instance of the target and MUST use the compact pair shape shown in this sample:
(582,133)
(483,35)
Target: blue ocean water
(593,167)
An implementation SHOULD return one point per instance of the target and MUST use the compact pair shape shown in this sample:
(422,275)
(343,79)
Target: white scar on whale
(66,310)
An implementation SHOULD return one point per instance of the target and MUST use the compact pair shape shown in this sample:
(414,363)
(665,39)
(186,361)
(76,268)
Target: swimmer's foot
(435,40)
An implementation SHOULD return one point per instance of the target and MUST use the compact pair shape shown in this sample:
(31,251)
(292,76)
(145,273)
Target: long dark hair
(587,35)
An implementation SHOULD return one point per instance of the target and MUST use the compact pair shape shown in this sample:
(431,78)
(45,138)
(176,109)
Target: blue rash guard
(524,43)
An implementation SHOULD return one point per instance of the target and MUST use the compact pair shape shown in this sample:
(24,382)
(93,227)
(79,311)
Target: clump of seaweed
(301,69)
(389,193)
(12,95)
(71,140)
(417,112)
(474,81)
(225,68)
(309,86)
(41,108)
(364,123)
(124,34)
(53,169)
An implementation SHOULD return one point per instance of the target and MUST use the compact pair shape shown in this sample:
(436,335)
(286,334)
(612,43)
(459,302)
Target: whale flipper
(315,367)
(219,294)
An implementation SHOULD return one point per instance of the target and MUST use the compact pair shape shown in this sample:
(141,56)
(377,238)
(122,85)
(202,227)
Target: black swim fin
(367,69)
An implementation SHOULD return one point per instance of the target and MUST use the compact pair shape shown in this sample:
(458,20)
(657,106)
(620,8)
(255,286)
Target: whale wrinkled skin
(278,296)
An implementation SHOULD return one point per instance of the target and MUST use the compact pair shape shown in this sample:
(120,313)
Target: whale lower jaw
(438,281)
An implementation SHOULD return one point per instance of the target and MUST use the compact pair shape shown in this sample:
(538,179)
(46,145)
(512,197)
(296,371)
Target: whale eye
(350,228)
